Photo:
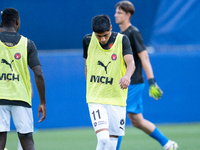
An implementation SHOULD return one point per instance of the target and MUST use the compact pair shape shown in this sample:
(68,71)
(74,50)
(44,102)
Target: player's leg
(99,119)
(119,142)
(23,120)
(19,145)
(135,110)
(149,128)
(134,102)
(26,141)
(4,124)
(117,117)
(3,136)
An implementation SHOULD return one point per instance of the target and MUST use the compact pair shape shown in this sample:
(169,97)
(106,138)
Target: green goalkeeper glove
(154,90)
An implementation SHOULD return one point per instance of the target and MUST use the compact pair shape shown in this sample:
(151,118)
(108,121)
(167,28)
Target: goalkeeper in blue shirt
(124,11)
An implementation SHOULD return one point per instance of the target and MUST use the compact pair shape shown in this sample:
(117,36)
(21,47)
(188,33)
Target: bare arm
(146,64)
(40,83)
(125,80)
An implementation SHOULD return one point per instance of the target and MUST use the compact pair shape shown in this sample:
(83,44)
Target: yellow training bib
(105,68)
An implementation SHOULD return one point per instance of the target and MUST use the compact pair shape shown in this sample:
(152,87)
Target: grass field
(186,135)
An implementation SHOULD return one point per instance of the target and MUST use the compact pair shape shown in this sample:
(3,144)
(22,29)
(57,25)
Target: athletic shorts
(22,118)
(109,117)
(134,99)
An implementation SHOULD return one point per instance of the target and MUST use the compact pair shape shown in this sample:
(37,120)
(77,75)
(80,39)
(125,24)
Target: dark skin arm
(40,84)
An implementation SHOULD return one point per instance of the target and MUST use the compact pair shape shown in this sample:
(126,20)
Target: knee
(136,122)
(103,141)
(24,135)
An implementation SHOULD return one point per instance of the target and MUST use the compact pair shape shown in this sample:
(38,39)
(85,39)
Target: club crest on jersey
(114,57)
(17,56)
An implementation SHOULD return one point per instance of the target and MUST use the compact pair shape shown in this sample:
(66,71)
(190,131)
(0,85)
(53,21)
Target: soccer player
(17,53)
(105,54)
(124,11)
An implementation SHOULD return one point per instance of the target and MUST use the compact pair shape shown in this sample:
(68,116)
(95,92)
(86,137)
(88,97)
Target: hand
(155,91)
(124,82)
(42,109)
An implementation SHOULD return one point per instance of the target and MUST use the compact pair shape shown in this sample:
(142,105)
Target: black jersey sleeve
(126,46)
(86,42)
(33,59)
(137,41)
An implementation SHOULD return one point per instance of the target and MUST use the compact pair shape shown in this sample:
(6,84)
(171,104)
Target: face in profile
(120,16)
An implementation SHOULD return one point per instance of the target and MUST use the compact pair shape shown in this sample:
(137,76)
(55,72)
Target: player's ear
(110,27)
(129,15)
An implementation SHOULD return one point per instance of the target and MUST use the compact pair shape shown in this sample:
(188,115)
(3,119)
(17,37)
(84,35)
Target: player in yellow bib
(16,54)
(109,65)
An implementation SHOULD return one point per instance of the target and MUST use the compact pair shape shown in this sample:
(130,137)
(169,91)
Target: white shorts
(22,118)
(109,117)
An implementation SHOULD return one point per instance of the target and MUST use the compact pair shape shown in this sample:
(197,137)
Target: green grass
(186,135)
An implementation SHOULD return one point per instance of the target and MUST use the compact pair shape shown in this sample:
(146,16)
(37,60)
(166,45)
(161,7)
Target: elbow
(39,75)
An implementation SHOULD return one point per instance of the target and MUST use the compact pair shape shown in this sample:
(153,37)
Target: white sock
(103,139)
(112,144)
(167,145)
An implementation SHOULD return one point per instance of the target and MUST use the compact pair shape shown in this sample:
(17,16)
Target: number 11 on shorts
(98,113)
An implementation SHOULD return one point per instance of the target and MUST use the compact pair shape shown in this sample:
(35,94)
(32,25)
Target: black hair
(9,16)
(101,23)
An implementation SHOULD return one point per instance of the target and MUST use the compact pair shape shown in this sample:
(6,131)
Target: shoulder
(31,48)
(87,37)
(132,31)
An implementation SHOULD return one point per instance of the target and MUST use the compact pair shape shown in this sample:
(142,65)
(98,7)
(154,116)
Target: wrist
(128,74)
(152,81)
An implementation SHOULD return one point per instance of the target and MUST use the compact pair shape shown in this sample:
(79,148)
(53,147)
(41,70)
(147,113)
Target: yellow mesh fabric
(14,74)
(105,68)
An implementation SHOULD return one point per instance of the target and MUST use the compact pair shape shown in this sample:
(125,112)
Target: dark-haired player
(16,54)
(105,54)
(124,11)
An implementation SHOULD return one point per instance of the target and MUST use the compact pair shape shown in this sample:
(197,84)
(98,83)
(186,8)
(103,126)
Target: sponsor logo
(5,62)
(95,124)
(101,79)
(101,64)
(8,76)
(122,122)
(99,123)
(121,128)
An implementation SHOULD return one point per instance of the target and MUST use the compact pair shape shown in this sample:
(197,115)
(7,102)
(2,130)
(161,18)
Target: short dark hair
(9,16)
(101,23)
(126,6)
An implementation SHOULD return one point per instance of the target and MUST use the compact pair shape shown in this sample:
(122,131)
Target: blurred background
(171,33)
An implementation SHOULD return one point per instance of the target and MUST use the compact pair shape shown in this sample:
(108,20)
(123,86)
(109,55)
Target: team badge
(17,56)
(122,122)
(114,57)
